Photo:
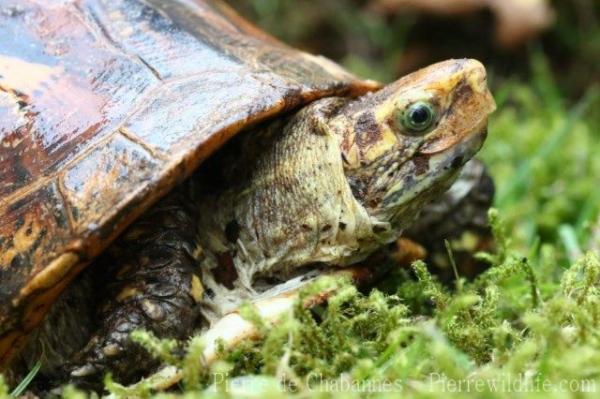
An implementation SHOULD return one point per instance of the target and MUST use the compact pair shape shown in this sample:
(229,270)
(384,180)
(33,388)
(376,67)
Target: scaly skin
(283,202)
(329,184)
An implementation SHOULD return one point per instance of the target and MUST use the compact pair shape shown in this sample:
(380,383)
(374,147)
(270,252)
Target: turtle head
(405,144)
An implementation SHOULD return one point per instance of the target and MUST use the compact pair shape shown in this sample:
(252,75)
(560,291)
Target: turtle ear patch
(366,129)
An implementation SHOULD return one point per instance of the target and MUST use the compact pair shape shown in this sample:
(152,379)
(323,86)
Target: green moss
(3,389)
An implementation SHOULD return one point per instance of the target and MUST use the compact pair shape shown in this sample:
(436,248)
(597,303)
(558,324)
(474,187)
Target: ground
(528,326)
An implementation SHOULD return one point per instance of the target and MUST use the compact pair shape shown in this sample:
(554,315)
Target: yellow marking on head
(384,145)
(389,138)
(447,84)
(388,108)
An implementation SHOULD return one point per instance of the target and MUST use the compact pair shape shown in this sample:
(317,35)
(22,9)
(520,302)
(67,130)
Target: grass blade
(18,391)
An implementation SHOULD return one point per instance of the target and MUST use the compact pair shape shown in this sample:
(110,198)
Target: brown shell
(104,106)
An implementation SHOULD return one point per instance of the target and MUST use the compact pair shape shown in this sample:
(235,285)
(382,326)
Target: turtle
(164,161)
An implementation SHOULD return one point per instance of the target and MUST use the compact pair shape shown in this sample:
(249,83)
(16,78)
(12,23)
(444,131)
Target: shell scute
(68,88)
(95,186)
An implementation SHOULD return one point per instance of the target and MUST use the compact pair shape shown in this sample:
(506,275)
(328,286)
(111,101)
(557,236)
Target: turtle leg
(460,217)
(151,284)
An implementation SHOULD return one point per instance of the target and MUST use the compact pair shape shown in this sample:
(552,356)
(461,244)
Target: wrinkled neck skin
(280,199)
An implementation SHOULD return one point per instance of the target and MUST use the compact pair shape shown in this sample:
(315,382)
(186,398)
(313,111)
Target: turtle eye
(418,117)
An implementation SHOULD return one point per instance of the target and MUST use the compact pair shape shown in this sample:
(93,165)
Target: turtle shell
(104,106)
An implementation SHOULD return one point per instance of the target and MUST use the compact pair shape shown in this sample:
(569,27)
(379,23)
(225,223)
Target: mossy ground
(528,327)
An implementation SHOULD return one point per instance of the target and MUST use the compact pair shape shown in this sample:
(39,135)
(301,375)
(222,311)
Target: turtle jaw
(423,178)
